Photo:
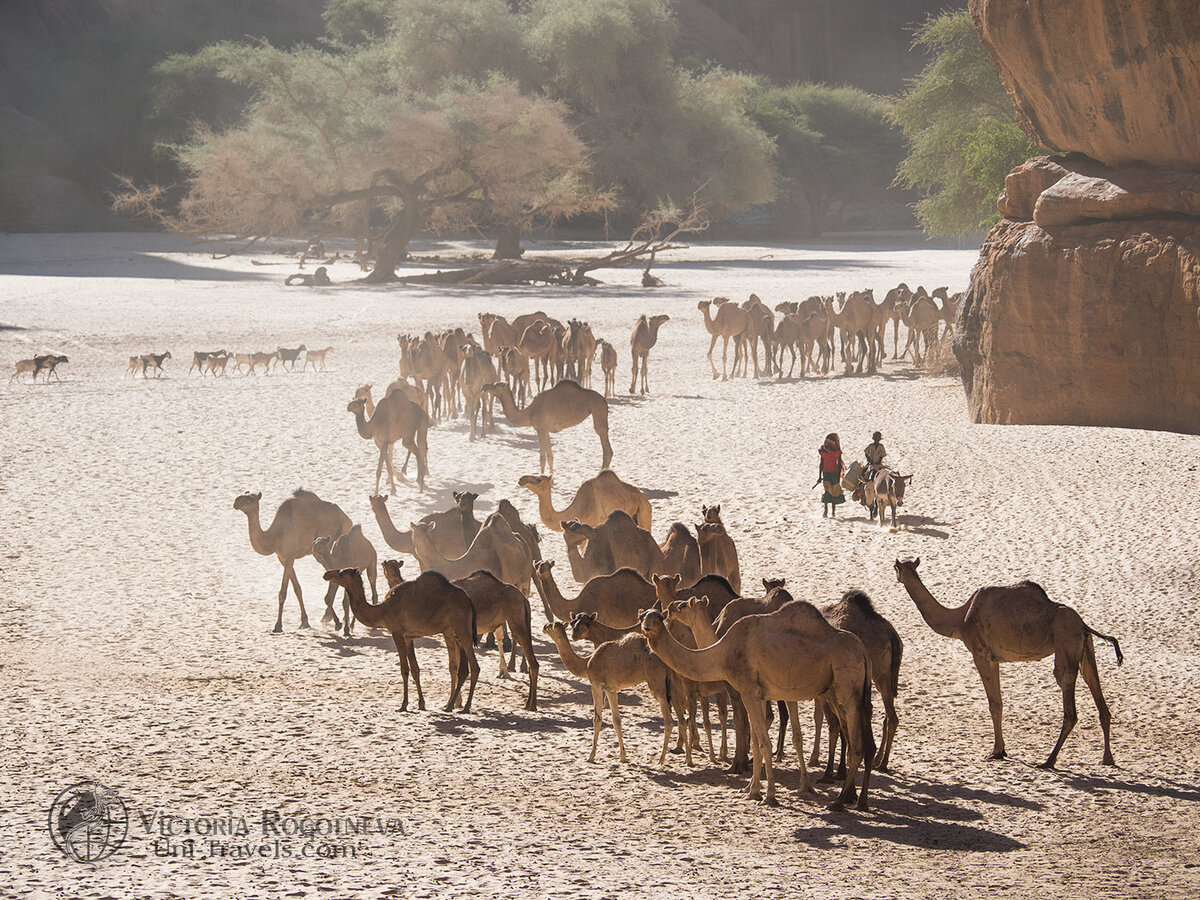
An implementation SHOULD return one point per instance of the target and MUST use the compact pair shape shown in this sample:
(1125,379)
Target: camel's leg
(760,748)
(330,615)
(712,756)
(347,613)
(379,468)
(1087,668)
(283,586)
(545,453)
(402,652)
(390,464)
(668,720)
(291,570)
(798,743)
(597,717)
(783,723)
(852,737)
(723,712)
(989,671)
(411,652)
(499,636)
(616,714)
(725,357)
(472,663)
(1066,671)
(711,346)
(454,653)
(633,383)
(818,726)
(890,721)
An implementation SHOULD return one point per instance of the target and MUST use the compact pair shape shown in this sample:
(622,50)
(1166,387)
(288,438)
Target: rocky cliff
(1083,307)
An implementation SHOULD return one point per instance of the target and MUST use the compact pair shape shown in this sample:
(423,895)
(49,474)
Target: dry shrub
(940,360)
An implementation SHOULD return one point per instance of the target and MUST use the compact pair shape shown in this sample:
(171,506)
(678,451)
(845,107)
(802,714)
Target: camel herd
(852,324)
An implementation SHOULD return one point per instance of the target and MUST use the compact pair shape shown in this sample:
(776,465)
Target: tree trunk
(508,244)
(393,247)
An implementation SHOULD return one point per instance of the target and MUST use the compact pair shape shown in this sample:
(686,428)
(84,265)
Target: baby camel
(611,667)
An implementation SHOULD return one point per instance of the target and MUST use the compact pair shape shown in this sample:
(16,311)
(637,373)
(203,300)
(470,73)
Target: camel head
(656,322)
(537,483)
(906,568)
(720,301)
(652,622)
(770,584)
(580,624)
(575,532)
(247,502)
(391,571)
(712,513)
(554,626)
(358,406)
(706,531)
(364,392)
(665,586)
(541,569)
(378,503)
(343,577)
(424,528)
(495,387)
(321,551)
(704,305)
(465,500)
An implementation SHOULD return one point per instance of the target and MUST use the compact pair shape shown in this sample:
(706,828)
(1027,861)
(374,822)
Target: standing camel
(498,605)
(730,322)
(1018,623)
(608,365)
(300,520)
(352,549)
(396,418)
(594,500)
(617,544)
(762,328)
(563,406)
(644,337)
(921,317)
(495,549)
(538,343)
(412,609)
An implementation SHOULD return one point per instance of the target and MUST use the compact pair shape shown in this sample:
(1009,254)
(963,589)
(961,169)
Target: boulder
(1116,80)
(1084,325)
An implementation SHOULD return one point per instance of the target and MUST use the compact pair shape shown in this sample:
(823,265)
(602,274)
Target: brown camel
(1019,623)
(526,533)
(716,591)
(396,418)
(644,337)
(477,370)
(422,608)
(613,666)
(762,328)
(617,544)
(577,352)
(495,549)
(718,555)
(351,550)
(856,319)
(498,605)
(681,554)
(615,598)
(300,520)
(921,317)
(893,309)
(608,365)
(497,332)
(792,654)
(563,406)
(538,343)
(594,500)
(515,368)
(730,323)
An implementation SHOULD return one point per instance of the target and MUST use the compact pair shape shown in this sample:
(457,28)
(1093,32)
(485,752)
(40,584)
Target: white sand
(136,618)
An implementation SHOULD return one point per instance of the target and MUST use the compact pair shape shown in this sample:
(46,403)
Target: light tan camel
(856,319)
(681,554)
(316,358)
(608,365)
(427,363)
(730,323)
(613,666)
(893,309)
(538,343)
(644,337)
(563,406)
(762,328)
(921,317)
(422,608)
(587,353)
(497,332)
(855,613)
(615,598)
(515,368)
(456,529)
(1019,623)
(594,500)
(403,387)
(577,351)
(477,370)
(716,591)
(791,655)
(949,308)
(498,605)
(396,419)
(718,555)
(495,549)
(300,520)
(617,544)
(350,550)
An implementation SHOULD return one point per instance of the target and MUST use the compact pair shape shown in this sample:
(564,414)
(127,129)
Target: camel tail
(864,712)
(1111,640)
(897,654)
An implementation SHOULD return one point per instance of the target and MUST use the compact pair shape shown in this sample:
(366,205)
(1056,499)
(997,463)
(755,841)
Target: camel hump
(355,531)
(1034,586)
(302,494)
(860,601)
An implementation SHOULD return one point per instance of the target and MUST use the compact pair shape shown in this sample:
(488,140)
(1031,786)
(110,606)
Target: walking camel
(594,500)
(608,365)
(495,549)
(396,418)
(617,544)
(498,605)
(300,520)
(644,337)
(1019,623)
(422,608)
(615,598)
(730,322)
(791,655)
(563,406)
(352,549)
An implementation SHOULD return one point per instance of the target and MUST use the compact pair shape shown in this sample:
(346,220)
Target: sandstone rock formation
(1084,307)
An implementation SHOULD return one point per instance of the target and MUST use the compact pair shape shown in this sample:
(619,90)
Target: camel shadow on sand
(1102,784)
(910,524)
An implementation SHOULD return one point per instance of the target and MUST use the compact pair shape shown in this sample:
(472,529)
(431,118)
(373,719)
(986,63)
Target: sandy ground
(135,618)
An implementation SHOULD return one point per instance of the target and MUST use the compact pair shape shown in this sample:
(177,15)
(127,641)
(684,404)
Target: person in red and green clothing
(831,471)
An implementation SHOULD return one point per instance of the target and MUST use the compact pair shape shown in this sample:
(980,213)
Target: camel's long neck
(400,541)
(360,422)
(708,319)
(259,539)
(371,616)
(698,665)
(427,552)
(579,565)
(702,628)
(509,405)
(550,518)
(553,597)
(946,622)
(575,663)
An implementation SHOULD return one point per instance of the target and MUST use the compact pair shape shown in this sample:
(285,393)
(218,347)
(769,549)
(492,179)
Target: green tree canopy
(961,130)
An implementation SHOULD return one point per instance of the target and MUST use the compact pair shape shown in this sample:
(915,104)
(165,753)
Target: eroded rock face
(1117,80)
(1087,325)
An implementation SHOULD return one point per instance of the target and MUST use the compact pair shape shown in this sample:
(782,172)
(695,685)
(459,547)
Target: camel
(319,278)
(497,332)
(300,520)
(644,337)
(315,358)
(716,591)
(762,328)
(412,609)
(396,418)
(949,308)
(526,533)
(290,355)
(855,613)
(612,666)
(608,365)
(1019,623)
(856,319)
(352,549)
(498,605)
(731,322)
(893,309)
(515,369)
(681,553)
(495,549)
(587,353)
(792,654)
(538,344)
(921,316)
(577,350)
(617,544)
(563,406)
(594,500)
(477,370)
(615,598)
(456,529)
(426,361)
(887,489)
(718,555)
